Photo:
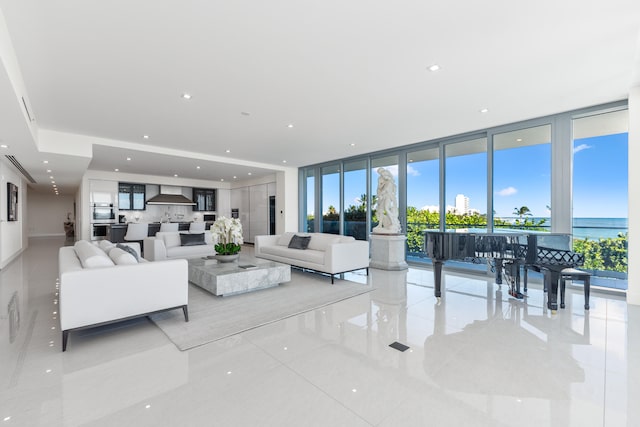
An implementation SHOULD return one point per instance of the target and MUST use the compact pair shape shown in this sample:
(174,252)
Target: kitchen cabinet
(103,192)
(131,197)
(204,199)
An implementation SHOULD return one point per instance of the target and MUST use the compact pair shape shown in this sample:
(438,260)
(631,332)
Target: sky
(522,177)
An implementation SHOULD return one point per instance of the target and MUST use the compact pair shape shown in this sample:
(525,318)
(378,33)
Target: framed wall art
(12,202)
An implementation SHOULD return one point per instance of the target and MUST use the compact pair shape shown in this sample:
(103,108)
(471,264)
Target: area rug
(213,317)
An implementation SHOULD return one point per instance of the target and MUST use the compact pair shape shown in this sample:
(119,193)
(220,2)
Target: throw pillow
(121,257)
(128,249)
(299,242)
(192,239)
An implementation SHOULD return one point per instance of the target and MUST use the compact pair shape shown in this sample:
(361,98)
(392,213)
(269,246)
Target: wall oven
(100,231)
(103,213)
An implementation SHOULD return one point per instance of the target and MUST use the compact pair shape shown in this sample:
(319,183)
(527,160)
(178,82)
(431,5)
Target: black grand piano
(548,253)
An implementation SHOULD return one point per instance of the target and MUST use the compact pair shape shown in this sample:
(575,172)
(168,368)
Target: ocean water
(598,228)
(593,228)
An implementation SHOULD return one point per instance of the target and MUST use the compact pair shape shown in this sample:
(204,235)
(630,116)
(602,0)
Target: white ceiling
(340,72)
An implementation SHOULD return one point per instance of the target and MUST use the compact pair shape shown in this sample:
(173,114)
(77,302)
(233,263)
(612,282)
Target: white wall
(47,213)
(12,240)
(633,291)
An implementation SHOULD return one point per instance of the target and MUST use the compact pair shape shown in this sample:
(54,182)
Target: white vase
(227,258)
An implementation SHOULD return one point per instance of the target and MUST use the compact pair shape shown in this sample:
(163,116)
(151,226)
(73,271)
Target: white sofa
(99,286)
(327,253)
(167,245)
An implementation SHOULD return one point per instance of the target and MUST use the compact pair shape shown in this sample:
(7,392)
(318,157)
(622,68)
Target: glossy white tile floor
(478,358)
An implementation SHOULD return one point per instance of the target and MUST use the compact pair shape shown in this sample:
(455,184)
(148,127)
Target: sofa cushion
(285,238)
(310,255)
(122,257)
(321,241)
(106,245)
(191,239)
(171,238)
(299,242)
(128,249)
(91,256)
(190,251)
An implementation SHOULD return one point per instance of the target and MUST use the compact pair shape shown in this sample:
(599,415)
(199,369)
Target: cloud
(581,147)
(412,171)
(509,191)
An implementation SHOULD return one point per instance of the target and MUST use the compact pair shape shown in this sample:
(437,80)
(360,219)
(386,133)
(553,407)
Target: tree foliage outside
(604,254)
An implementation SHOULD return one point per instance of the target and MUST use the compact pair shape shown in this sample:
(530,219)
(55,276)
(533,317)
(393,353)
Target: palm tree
(522,211)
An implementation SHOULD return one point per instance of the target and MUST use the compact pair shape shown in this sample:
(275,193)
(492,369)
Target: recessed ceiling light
(249,173)
(235,177)
(53,182)
(117,170)
(484,110)
(145,136)
(48,170)
(128,159)
(227,151)
(434,67)
(4,146)
(51,177)
(45,161)
(186,96)
(410,160)
(221,179)
(197,167)
(290,125)
(175,174)
(284,161)
(518,139)
(353,144)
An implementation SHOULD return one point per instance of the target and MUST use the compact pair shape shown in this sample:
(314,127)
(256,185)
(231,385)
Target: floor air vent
(21,168)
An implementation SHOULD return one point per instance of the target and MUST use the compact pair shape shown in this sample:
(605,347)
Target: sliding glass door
(600,193)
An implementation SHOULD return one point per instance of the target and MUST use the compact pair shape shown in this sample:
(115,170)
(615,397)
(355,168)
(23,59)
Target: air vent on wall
(21,168)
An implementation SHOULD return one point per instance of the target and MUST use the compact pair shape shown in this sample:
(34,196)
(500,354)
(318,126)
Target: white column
(633,257)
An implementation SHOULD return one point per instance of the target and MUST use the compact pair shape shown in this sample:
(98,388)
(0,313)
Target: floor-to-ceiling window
(330,199)
(391,164)
(309,183)
(356,199)
(522,179)
(600,191)
(423,196)
(466,185)
(456,183)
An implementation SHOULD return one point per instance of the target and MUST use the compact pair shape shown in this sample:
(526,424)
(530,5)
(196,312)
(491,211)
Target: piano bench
(575,274)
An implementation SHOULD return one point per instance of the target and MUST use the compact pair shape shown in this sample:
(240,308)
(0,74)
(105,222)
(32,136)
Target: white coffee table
(246,274)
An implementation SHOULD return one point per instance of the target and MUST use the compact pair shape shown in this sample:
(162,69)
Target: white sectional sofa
(103,284)
(327,253)
(170,245)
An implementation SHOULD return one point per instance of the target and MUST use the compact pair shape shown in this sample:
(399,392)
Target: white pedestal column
(388,251)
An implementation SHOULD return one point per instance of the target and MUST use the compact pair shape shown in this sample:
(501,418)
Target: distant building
(462,204)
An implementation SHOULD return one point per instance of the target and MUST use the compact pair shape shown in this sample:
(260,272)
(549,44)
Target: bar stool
(575,274)
(169,226)
(137,233)
(197,227)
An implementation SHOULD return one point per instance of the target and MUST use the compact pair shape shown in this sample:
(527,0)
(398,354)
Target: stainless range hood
(170,196)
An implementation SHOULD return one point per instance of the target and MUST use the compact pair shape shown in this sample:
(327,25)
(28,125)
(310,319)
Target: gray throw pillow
(128,249)
(299,242)
(192,239)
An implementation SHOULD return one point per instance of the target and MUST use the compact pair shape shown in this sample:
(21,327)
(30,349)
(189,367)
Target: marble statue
(387,204)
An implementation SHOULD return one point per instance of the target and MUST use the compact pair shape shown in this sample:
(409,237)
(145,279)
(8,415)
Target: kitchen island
(119,230)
